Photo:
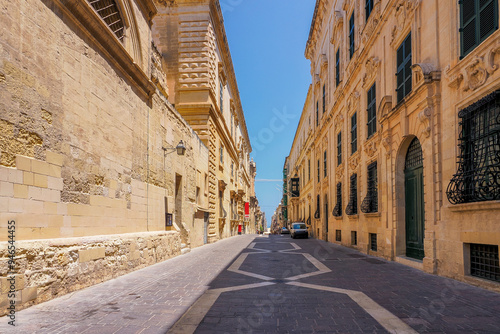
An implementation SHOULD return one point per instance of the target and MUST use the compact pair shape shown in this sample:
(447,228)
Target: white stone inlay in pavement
(385,318)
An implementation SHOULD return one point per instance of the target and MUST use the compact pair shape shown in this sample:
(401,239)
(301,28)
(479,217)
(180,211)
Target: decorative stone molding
(371,67)
(338,122)
(424,73)
(317,80)
(371,145)
(353,102)
(425,118)
(384,108)
(386,142)
(338,21)
(476,74)
(354,161)
(491,66)
(404,11)
(339,172)
(324,62)
(372,23)
(158,76)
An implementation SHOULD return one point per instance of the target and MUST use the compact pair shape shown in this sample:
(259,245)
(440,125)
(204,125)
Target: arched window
(109,13)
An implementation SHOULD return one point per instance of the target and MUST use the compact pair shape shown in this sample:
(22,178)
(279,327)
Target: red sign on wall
(247,210)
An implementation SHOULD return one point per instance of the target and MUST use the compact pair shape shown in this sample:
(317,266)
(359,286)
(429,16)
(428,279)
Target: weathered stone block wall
(52,268)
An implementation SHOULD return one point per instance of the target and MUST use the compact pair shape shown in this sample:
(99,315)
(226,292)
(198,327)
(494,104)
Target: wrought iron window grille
(354,238)
(484,262)
(373,242)
(352,206)
(337,210)
(338,235)
(316,214)
(370,203)
(478,175)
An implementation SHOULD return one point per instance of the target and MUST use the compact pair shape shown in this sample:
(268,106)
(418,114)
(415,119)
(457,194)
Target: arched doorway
(414,201)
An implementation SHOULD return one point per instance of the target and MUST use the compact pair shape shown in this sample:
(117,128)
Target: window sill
(356,216)
(373,214)
(476,206)
(338,218)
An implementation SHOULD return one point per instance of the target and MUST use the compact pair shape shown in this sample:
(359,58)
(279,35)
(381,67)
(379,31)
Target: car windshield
(284,228)
(299,226)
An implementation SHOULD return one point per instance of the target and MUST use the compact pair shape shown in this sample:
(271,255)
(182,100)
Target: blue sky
(267,40)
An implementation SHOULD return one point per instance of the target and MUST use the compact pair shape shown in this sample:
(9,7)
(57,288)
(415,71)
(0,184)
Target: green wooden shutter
(478,20)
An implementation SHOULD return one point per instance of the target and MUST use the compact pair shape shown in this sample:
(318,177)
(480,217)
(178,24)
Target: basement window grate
(484,262)
(354,238)
(338,235)
(373,242)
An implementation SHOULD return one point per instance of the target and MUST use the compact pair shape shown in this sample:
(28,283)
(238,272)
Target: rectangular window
(368,8)
(354,238)
(484,262)
(352,206)
(338,235)
(317,213)
(478,20)
(324,165)
(404,69)
(295,192)
(317,113)
(370,203)
(232,122)
(372,111)
(337,68)
(221,96)
(478,175)
(324,99)
(339,148)
(309,169)
(222,154)
(337,211)
(354,134)
(351,35)
(373,242)
(318,171)
(232,169)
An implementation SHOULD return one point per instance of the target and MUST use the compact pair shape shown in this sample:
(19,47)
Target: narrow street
(270,284)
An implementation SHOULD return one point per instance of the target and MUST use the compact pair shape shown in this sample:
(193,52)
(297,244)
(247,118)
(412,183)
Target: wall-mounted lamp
(180,148)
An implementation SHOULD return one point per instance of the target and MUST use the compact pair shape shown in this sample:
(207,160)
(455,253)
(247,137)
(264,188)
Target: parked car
(299,230)
(285,230)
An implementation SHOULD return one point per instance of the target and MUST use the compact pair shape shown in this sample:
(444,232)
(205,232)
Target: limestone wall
(52,268)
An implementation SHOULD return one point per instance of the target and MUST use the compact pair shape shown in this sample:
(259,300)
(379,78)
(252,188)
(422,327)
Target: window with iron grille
(326,213)
(373,242)
(317,113)
(317,213)
(337,210)
(337,68)
(222,154)
(404,69)
(372,111)
(354,133)
(318,171)
(339,148)
(352,206)
(370,203)
(484,262)
(109,13)
(368,8)
(338,235)
(324,165)
(478,20)
(354,238)
(478,175)
(351,35)
(324,99)
(295,191)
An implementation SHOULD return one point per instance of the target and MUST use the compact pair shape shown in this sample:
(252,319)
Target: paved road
(280,285)
(146,301)
(250,284)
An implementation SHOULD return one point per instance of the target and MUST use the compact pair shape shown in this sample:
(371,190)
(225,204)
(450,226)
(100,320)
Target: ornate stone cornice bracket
(371,145)
(353,102)
(338,20)
(339,172)
(386,142)
(354,161)
(424,73)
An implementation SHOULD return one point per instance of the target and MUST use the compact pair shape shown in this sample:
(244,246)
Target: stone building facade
(401,134)
(191,37)
(89,172)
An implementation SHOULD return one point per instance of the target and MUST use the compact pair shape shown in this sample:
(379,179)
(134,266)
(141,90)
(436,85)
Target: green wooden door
(414,196)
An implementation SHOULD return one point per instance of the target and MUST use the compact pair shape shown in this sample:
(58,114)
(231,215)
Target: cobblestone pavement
(280,285)
(146,301)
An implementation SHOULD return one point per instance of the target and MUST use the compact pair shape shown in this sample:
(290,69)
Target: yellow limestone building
(99,173)
(191,38)
(397,150)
